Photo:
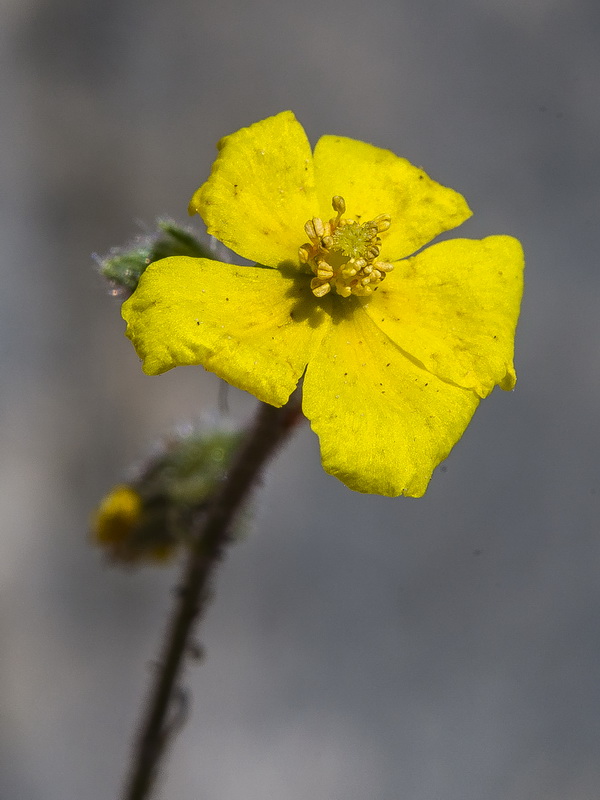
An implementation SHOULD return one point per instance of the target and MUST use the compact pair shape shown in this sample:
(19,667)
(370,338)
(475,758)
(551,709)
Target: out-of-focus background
(358,647)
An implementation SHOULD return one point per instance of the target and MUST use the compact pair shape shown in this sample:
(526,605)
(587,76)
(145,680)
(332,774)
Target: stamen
(318,226)
(320,289)
(324,270)
(310,230)
(383,222)
(304,254)
(339,205)
(342,253)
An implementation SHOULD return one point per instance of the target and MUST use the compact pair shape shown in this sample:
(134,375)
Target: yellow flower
(396,349)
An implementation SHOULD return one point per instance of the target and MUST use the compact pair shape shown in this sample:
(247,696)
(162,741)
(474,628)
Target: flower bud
(150,518)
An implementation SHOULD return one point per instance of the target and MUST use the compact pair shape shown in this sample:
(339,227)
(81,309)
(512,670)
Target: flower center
(343,253)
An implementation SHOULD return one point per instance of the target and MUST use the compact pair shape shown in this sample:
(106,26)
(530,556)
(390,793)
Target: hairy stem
(269,429)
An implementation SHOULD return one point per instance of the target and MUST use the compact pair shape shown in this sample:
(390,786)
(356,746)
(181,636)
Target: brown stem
(269,429)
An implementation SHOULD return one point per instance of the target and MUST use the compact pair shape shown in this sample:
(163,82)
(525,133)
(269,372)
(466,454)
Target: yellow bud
(117,515)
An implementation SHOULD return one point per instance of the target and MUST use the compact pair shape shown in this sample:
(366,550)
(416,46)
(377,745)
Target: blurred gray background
(358,647)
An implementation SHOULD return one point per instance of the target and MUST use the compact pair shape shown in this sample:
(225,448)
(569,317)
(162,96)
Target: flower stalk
(213,526)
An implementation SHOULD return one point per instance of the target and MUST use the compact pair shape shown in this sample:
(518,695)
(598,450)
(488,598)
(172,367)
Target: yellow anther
(324,270)
(318,226)
(320,289)
(310,230)
(339,204)
(303,254)
(383,222)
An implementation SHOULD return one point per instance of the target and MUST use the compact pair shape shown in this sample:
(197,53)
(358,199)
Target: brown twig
(270,428)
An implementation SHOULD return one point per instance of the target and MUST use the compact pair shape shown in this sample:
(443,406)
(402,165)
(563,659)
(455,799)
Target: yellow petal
(454,307)
(374,181)
(260,192)
(246,324)
(384,423)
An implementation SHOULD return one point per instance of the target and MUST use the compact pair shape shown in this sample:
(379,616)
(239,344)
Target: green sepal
(124,266)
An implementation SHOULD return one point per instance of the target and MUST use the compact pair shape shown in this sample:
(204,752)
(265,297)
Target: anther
(318,288)
(303,254)
(339,205)
(383,222)
(310,230)
(324,270)
(318,226)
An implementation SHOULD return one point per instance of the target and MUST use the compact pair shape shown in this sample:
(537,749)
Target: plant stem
(269,429)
